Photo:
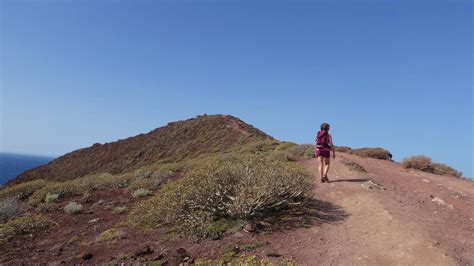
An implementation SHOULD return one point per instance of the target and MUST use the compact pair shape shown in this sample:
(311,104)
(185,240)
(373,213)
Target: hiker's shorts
(322,152)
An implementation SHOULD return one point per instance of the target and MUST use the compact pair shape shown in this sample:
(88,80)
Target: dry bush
(303,150)
(51,197)
(419,162)
(285,145)
(425,164)
(9,208)
(73,207)
(22,190)
(24,225)
(377,153)
(209,198)
(343,149)
(443,169)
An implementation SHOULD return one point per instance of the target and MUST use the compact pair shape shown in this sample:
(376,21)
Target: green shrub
(377,153)
(24,225)
(425,164)
(51,197)
(9,209)
(60,188)
(141,192)
(234,188)
(73,207)
(23,190)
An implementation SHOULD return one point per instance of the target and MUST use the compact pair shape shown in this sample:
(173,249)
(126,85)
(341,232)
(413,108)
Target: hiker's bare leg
(327,163)
(321,166)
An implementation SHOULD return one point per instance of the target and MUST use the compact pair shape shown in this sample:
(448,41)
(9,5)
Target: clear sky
(394,74)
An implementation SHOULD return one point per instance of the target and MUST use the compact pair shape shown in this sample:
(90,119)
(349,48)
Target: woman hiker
(324,145)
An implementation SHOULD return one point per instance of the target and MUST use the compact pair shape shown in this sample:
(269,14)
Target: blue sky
(394,74)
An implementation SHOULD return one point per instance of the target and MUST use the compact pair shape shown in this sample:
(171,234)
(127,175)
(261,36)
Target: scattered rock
(94,220)
(426,180)
(438,200)
(253,227)
(143,251)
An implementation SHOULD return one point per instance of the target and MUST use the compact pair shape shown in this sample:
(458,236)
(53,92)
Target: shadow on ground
(306,214)
(349,180)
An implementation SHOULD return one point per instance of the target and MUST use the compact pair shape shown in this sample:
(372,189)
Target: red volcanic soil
(385,216)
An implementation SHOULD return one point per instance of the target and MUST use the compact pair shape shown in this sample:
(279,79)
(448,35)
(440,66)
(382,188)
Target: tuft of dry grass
(111,234)
(73,207)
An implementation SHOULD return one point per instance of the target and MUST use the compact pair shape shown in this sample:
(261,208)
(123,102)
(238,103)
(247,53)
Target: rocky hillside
(174,142)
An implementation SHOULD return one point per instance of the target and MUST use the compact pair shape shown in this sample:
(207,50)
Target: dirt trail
(395,217)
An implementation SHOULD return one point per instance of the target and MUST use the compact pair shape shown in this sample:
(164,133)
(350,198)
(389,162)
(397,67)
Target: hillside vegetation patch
(24,225)
(377,153)
(209,197)
(425,164)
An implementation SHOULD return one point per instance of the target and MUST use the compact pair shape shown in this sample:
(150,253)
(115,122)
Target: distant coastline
(12,164)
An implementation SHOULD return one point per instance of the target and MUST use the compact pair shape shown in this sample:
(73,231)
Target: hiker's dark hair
(325,126)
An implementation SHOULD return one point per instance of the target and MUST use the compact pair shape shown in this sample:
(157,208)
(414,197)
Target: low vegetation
(24,225)
(9,208)
(377,153)
(111,234)
(209,198)
(119,209)
(73,207)
(23,190)
(141,192)
(51,197)
(425,164)
(345,149)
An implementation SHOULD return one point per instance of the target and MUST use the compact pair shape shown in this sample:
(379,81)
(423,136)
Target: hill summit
(174,142)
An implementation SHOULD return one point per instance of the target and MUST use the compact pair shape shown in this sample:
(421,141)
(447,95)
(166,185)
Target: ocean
(13,164)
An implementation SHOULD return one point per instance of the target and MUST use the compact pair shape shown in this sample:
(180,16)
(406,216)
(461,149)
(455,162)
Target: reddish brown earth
(174,142)
(387,216)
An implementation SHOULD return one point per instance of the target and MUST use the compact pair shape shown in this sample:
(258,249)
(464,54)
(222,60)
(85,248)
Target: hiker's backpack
(322,141)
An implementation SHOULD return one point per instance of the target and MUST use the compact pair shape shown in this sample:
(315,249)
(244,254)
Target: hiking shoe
(325,179)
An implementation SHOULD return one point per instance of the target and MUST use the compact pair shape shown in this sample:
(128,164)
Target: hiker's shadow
(359,180)
(306,214)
